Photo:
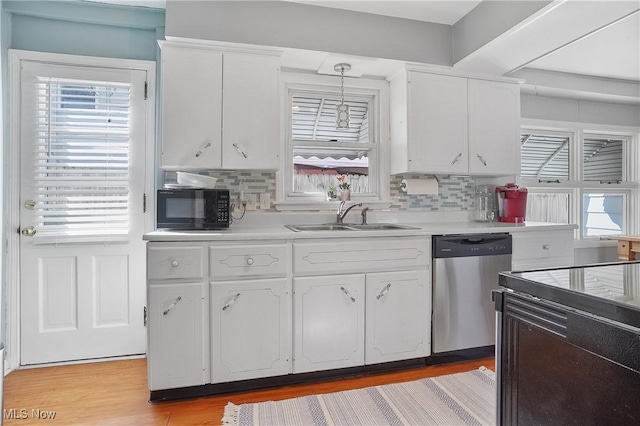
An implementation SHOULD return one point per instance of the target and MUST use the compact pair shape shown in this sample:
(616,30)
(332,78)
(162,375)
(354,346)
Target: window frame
(377,93)
(576,187)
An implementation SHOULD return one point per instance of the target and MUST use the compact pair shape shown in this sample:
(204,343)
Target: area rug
(455,399)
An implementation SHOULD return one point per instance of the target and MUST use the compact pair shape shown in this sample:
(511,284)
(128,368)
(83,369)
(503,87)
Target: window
(317,153)
(578,177)
(80,155)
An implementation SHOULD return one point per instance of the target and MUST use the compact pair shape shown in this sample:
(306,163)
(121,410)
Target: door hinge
(146,90)
(144,203)
(144,316)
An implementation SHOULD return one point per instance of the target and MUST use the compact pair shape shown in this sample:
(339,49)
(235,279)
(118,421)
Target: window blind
(81,159)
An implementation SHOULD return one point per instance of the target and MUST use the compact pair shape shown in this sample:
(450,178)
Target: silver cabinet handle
(172,305)
(482,160)
(545,247)
(384,291)
(235,145)
(175,263)
(29,231)
(249,261)
(231,302)
(455,160)
(29,204)
(345,291)
(199,153)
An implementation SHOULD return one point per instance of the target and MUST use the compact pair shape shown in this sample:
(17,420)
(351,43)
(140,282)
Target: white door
(494,128)
(398,322)
(176,340)
(251,112)
(250,329)
(191,108)
(438,123)
(328,322)
(82,179)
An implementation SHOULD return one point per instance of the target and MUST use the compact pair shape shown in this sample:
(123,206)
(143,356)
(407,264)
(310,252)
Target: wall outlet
(265,201)
(252,200)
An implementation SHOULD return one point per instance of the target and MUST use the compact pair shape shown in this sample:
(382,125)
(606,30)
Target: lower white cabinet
(175,348)
(349,320)
(250,329)
(328,322)
(542,249)
(398,316)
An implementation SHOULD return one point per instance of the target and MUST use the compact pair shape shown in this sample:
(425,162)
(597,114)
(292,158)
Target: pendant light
(342,110)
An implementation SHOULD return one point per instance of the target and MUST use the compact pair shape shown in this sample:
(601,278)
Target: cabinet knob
(545,247)
(175,263)
(249,261)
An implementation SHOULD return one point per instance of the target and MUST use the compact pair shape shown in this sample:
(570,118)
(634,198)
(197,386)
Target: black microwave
(193,209)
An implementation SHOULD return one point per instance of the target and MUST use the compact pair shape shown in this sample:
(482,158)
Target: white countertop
(278,231)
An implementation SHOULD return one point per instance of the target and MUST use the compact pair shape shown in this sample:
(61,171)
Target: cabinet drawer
(550,262)
(175,263)
(248,260)
(360,255)
(537,245)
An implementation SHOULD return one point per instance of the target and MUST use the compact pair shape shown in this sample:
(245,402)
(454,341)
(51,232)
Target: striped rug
(455,399)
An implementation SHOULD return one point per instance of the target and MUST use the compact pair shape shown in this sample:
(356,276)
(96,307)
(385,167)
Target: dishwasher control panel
(466,245)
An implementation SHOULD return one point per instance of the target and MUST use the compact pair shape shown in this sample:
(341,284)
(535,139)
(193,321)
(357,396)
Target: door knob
(29,231)
(29,204)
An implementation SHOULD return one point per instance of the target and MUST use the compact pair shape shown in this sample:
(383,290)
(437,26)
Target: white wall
(284,24)
(579,111)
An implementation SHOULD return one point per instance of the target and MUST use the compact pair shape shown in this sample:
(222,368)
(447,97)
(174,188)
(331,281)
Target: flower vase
(345,195)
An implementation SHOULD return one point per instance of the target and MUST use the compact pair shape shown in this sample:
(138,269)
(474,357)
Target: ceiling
(611,51)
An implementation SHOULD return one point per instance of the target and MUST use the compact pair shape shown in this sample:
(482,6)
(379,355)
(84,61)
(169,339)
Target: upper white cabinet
(494,128)
(191,108)
(220,110)
(448,124)
(251,118)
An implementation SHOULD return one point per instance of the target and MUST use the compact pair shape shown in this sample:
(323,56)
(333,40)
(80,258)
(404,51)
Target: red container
(512,203)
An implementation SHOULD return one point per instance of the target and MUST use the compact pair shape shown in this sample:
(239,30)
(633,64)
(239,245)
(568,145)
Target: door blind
(81,159)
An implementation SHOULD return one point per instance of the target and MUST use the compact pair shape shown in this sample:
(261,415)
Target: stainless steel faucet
(342,212)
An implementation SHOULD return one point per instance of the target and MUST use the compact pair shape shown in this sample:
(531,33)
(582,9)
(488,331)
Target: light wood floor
(115,393)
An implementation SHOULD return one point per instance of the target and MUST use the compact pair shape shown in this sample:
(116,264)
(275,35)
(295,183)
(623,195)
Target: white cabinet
(191,95)
(542,249)
(219,110)
(328,322)
(251,119)
(358,316)
(250,310)
(177,320)
(176,357)
(448,124)
(398,309)
(494,128)
(250,329)
(429,124)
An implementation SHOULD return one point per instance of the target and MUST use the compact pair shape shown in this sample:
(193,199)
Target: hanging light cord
(342,85)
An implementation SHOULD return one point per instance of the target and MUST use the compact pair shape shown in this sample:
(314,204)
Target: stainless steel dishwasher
(465,270)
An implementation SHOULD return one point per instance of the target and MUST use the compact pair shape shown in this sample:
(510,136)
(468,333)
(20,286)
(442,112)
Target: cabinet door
(250,329)
(398,324)
(328,322)
(494,128)
(437,123)
(191,108)
(251,119)
(176,336)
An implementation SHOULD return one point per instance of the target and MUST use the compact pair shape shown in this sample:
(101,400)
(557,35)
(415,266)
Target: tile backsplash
(455,192)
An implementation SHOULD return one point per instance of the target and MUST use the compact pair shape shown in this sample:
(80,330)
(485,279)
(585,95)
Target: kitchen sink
(347,227)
